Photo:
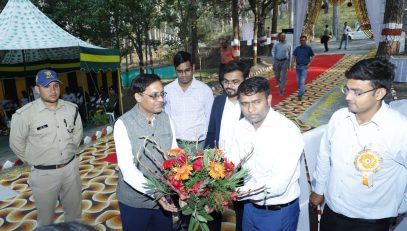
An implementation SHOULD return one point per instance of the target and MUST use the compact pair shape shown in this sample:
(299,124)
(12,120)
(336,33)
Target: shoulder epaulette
(25,107)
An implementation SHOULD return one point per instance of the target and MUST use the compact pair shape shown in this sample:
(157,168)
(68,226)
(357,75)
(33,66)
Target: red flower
(181,159)
(225,203)
(197,164)
(229,166)
(198,188)
(199,154)
(177,184)
(183,196)
(168,163)
(233,196)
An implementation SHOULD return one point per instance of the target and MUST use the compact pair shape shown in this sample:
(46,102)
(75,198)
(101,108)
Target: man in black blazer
(225,114)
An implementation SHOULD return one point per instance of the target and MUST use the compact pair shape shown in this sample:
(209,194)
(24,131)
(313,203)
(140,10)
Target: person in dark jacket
(225,114)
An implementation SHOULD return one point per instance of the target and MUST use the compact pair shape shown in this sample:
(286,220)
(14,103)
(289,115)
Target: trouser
(134,219)
(238,206)
(331,221)
(271,220)
(301,75)
(50,185)
(326,45)
(344,38)
(280,70)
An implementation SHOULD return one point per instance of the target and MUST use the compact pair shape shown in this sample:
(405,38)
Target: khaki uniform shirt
(40,136)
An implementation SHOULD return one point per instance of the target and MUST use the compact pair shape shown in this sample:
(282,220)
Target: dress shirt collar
(379,118)
(194,84)
(41,105)
(266,122)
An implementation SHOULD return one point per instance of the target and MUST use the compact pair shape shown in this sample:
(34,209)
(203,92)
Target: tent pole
(119,77)
(84,100)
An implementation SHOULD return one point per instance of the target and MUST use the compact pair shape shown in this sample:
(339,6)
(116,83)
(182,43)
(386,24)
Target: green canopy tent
(30,41)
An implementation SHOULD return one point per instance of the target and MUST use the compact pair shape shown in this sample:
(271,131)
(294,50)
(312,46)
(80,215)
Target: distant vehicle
(357,34)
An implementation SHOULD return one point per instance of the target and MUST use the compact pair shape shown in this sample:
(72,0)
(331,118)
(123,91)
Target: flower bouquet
(204,181)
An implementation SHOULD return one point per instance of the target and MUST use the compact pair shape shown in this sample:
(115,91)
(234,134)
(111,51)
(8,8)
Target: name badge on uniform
(42,127)
(368,162)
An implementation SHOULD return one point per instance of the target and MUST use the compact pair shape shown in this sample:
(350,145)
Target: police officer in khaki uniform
(46,134)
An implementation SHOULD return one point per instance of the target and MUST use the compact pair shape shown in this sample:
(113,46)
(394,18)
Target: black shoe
(299,98)
(339,48)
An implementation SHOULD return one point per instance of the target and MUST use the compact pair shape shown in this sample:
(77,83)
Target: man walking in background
(302,58)
(281,55)
(345,31)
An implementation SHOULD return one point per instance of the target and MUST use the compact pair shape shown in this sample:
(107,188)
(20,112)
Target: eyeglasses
(346,91)
(156,95)
(234,82)
(185,71)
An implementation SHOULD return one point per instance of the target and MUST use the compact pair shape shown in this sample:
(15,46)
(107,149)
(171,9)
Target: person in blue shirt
(302,58)
(361,170)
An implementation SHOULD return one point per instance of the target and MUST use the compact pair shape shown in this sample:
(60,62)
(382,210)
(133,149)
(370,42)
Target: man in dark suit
(225,114)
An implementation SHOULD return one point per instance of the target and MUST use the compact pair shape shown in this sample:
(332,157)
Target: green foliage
(100,119)
(347,14)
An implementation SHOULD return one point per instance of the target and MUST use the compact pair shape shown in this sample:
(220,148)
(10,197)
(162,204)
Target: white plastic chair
(312,141)
(399,105)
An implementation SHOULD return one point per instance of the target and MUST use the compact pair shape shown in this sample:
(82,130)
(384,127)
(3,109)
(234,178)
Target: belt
(189,142)
(46,167)
(389,220)
(281,59)
(302,64)
(274,207)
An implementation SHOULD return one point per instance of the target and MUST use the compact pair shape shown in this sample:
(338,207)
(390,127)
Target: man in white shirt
(225,114)
(281,55)
(140,207)
(362,164)
(69,96)
(345,31)
(271,188)
(188,103)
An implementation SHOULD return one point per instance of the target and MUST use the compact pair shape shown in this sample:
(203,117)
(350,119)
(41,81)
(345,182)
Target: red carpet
(111,158)
(319,65)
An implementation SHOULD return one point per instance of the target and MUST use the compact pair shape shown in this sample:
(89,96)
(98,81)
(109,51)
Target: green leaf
(188,211)
(204,227)
(207,216)
(193,224)
(201,218)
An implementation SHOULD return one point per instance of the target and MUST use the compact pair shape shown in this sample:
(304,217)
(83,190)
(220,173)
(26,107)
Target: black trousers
(331,221)
(326,45)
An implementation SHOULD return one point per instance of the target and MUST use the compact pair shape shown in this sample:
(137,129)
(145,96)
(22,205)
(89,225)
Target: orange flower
(216,170)
(218,152)
(175,151)
(183,172)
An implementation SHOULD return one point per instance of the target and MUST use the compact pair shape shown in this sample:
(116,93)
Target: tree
(274,21)
(235,19)
(260,9)
(392,28)
(336,12)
